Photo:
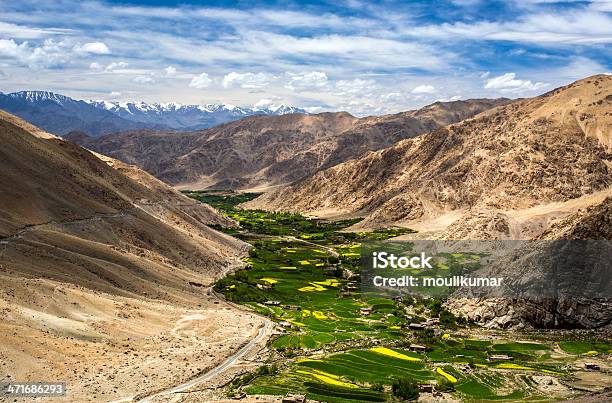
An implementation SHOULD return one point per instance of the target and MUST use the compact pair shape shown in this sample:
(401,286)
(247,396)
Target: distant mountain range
(61,115)
(259,152)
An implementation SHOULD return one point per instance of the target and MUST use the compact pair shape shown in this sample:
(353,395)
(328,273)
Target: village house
(417,348)
(291,398)
(287,325)
(366,311)
(464,367)
(499,357)
(591,366)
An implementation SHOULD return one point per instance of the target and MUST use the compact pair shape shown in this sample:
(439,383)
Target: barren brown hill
(266,151)
(103,272)
(483,171)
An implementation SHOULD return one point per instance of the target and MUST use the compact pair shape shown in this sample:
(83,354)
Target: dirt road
(244,350)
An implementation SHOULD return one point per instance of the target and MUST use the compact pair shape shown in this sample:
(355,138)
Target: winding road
(327,248)
(231,360)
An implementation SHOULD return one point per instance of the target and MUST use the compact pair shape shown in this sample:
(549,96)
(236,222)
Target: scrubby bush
(445,386)
(405,389)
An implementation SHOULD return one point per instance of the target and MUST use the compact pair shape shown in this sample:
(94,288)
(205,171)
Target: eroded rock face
(547,284)
(522,313)
(594,222)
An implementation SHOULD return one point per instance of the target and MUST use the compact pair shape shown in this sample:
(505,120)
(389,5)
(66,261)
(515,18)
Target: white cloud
(50,53)
(423,89)
(96,48)
(307,81)
(485,74)
(509,83)
(200,81)
(143,80)
(387,44)
(116,66)
(355,87)
(363,52)
(577,68)
(170,71)
(114,94)
(392,96)
(551,29)
(313,109)
(246,80)
(24,32)
(601,5)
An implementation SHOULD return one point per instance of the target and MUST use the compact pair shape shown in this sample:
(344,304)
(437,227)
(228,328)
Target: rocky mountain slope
(593,222)
(483,171)
(103,270)
(562,279)
(266,151)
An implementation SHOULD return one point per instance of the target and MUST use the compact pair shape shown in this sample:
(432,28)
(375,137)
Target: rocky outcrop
(546,283)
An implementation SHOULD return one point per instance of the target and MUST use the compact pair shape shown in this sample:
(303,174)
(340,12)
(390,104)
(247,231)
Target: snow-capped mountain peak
(187,117)
(39,96)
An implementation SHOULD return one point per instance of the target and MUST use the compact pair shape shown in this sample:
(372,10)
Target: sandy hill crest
(551,148)
(267,151)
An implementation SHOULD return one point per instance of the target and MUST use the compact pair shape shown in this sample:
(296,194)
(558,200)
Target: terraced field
(338,344)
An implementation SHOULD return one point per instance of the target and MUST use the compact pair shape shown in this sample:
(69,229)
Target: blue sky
(364,57)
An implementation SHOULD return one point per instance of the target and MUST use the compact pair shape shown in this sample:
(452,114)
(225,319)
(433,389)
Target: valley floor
(301,287)
(302,275)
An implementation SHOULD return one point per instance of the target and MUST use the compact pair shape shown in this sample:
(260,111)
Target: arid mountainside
(103,272)
(482,172)
(594,222)
(266,151)
(562,279)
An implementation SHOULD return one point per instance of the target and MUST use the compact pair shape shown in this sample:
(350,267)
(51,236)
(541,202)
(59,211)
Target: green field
(305,275)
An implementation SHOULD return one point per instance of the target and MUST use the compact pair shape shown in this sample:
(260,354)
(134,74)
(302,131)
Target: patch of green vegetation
(288,224)
(585,347)
(304,274)
(473,390)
